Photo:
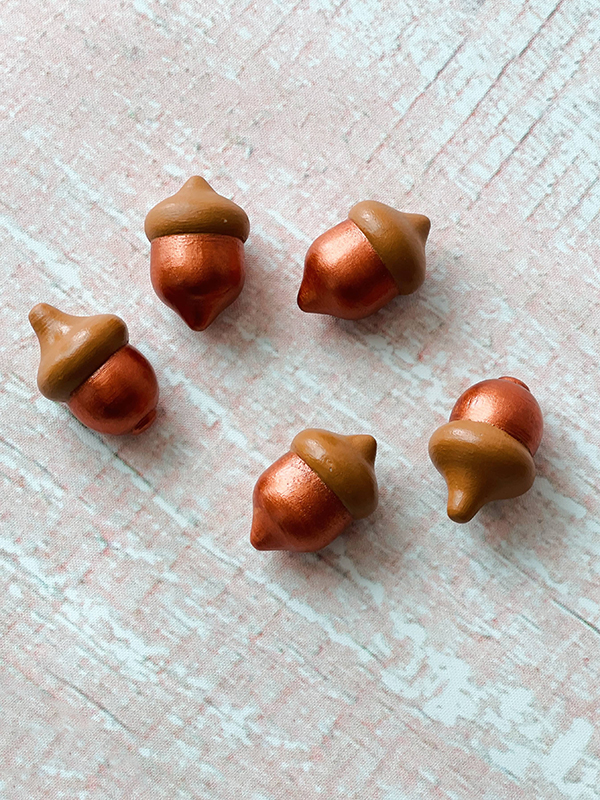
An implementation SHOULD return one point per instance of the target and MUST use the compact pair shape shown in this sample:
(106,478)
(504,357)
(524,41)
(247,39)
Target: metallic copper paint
(507,404)
(120,397)
(294,509)
(197,274)
(344,276)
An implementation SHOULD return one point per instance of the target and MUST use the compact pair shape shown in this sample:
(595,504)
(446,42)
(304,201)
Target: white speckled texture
(146,651)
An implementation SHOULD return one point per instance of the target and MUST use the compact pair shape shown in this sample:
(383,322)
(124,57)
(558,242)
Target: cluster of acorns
(311,494)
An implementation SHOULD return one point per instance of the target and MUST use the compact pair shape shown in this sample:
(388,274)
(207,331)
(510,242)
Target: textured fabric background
(146,650)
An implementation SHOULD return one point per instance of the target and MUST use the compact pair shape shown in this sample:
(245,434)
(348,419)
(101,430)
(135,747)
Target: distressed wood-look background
(146,651)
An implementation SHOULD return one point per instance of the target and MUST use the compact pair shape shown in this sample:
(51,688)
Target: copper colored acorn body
(119,397)
(310,495)
(197,252)
(358,266)
(294,509)
(485,452)
(87,363)
(197,274)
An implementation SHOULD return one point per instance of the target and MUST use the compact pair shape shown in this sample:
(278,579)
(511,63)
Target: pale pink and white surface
(146,650)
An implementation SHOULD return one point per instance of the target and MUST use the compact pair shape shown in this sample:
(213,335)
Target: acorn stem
(144,423)
(44,319)
(462,506)
(514,380)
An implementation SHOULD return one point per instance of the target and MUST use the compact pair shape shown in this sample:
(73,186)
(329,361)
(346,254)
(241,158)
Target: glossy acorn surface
(355,268)
(294,509)
(506,403)
(197,252)
(310,495)
(485,452)
(197,275)
(120,397)
(343,275)
(87,363)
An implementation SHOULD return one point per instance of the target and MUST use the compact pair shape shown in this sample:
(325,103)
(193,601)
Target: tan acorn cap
(197,208)
(73,348)
(479,463)
(345,464)
(398,239)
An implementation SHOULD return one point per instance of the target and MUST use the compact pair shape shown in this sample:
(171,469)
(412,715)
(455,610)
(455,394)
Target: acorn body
(87,363)
(120,397)
(197,252)
(485,452)
(357,267)
(310,495)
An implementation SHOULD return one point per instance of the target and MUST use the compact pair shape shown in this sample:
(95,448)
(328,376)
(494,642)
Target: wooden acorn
(197,252)
(87,363)
(354,269)
(307,498)
(486,451)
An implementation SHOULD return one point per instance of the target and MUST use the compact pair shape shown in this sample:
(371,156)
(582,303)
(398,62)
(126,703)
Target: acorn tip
(461,506)
(422,225)
(366,445)
(197,183)
(41,317)
(264,533)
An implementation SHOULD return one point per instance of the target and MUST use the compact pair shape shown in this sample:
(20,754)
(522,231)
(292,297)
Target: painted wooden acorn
(354,269)
(87,363)
(486,451)
(307,498)
(197,252)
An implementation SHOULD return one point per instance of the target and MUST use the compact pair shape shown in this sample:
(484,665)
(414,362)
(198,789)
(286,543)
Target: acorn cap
(345,464)
(73,348)
(479,463)
(197,208)
(398,239)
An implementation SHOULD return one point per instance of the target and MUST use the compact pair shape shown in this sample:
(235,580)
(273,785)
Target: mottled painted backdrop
(146,650)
